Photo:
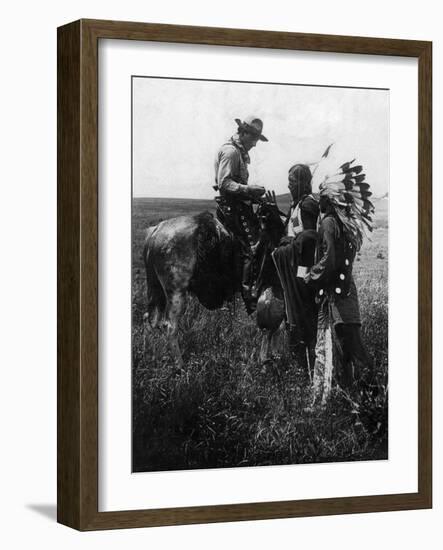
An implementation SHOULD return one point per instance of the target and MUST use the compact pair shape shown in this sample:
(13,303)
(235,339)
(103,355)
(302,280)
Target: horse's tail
(155,293)
(146,249)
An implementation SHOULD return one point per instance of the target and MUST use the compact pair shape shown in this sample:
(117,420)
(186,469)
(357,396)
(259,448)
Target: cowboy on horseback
(237,196)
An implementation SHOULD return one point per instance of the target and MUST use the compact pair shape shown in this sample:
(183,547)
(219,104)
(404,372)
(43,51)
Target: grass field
(223,409)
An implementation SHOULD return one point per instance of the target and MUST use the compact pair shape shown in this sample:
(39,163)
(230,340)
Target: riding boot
(249,298)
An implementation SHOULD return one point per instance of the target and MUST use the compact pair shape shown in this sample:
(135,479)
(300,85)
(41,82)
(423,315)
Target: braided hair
(299,181)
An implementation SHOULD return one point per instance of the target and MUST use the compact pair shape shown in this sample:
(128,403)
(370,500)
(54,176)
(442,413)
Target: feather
(336,189)
(356,169)
(349,193)
(367,223)
(363,187)
(326,153)
(344,167)
(328,181)
(358,201)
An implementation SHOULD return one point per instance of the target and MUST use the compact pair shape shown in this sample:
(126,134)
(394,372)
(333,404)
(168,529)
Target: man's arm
(228,165)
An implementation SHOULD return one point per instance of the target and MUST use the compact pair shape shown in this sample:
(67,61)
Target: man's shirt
(231,170)
(303,216)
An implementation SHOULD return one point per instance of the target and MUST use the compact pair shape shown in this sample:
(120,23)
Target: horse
(198,255)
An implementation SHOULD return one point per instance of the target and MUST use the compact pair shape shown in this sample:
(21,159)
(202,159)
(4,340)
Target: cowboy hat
(253,125)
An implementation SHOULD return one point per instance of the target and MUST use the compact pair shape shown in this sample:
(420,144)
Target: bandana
(235,140)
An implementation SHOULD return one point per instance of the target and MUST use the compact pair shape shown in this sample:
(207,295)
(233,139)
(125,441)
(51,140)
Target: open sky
(179,125)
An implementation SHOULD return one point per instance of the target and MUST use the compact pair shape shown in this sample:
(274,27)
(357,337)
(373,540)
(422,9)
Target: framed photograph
(244,275)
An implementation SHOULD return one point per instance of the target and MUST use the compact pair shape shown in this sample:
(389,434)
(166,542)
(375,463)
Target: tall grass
(223,409)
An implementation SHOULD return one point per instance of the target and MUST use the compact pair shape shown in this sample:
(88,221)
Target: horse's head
(270,220)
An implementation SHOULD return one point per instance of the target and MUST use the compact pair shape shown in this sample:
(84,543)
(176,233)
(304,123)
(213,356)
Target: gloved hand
(256,191)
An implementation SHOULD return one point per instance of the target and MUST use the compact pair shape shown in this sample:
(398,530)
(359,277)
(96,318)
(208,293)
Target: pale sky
(179,125)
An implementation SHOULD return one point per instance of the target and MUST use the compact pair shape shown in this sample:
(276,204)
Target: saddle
(239,219)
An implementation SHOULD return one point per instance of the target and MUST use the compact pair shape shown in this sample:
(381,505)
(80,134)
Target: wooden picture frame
(77,174)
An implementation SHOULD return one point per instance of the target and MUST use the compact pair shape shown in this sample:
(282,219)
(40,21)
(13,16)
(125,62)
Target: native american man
(345,217)
(293,258)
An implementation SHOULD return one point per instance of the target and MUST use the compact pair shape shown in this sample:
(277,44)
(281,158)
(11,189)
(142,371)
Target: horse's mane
(207,241)
(217,273)
(214,279)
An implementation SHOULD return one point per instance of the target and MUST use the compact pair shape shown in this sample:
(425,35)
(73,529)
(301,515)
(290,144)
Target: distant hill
(156,209)
(284,199)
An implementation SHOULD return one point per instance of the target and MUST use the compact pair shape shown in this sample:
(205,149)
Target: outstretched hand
(270,198)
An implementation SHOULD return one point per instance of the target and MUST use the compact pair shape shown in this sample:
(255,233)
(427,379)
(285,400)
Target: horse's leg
(174,310)
(174,275)
(156,296)
(156,303)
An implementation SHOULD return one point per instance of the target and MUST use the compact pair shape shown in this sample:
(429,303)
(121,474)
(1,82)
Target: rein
(271,243)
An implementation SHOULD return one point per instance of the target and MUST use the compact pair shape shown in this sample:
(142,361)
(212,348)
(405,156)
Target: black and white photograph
(260,228)
(221,230)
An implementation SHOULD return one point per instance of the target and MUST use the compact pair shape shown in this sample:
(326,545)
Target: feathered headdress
(349,194)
